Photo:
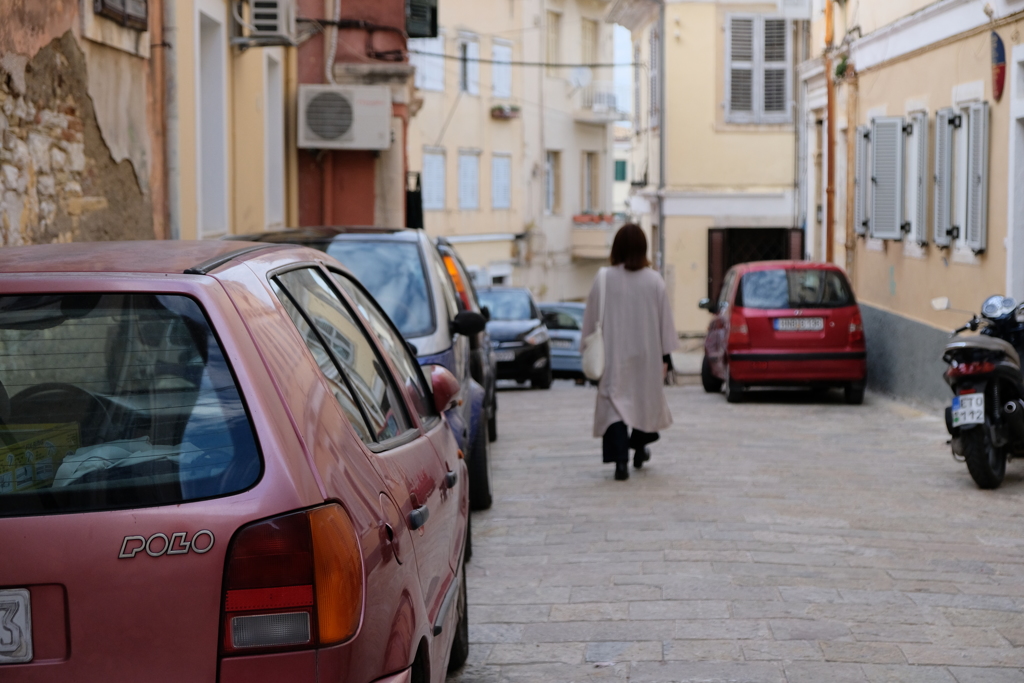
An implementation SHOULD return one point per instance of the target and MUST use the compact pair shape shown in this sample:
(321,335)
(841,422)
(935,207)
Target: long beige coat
(638,330)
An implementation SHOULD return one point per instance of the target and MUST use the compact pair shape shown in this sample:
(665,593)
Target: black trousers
(618,440)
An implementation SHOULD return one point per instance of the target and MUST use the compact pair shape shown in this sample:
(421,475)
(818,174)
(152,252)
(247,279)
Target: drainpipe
(830,123)
(172,160)
(662,47)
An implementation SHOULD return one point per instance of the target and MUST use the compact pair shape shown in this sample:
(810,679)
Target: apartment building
(513,141)
(715,139)
(928,149)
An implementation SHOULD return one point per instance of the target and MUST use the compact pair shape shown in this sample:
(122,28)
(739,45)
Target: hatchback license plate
(968,409)
(561,344)
(799,324)
(15,626)
(504,356)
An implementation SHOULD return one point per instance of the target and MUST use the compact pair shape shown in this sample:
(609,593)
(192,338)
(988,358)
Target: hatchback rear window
(116,400)
(394,274)
(507,304)
(796,288)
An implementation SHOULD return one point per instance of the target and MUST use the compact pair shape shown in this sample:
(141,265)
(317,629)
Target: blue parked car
(407,276)
(564,322)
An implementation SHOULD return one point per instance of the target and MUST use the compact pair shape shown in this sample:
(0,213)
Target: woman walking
(639,334)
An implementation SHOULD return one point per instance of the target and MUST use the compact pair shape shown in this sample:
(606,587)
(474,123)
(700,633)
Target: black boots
(640,456)
(621,471)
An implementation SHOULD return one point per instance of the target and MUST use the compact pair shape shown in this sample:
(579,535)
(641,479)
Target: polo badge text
(160,544)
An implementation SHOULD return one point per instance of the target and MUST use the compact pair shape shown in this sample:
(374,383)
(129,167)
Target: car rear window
(116,400)
(394,274)
(507,304)
(794,288)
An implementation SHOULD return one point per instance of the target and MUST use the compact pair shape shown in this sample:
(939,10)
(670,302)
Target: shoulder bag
(593,345)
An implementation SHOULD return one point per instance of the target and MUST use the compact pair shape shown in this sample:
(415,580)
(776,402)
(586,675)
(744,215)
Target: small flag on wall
(998,66)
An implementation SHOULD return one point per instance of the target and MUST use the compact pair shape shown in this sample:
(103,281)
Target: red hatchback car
(785,323)
(220,462)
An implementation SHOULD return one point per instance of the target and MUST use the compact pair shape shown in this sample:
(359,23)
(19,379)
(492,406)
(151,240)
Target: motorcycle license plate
(968,409)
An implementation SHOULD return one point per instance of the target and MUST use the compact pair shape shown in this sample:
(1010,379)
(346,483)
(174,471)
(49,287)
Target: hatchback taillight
(293,582)
(856,328)
(739,333)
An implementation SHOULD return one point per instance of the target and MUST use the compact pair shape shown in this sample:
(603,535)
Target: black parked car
(521,341)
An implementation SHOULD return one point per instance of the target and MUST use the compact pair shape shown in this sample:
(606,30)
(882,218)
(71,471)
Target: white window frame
(552,182)
(211,112)
(430,67)
(469,66)
(501,194)
(888,147)
(501,69)
(432,176)
(469,182)
(758,68)
(274,171)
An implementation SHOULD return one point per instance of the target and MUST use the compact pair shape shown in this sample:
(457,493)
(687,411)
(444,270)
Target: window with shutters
(427,55)
(501,181)
(469,181)
(620,170)
(887,172)
(944,230)
(862,182)
(654,98)
(590,201)
(553,183)
(588,41)
(501,70)
(130,13)
(976,201)
(469,65)
(554,42)
(758,58)
(433,181)
(917,178)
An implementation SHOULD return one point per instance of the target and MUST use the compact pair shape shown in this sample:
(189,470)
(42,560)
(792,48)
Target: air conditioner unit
(272,21)
(344,117)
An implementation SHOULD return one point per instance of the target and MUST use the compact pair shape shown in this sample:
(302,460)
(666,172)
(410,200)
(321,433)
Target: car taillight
(856,328)
(460,286)
(739,333)
(963,369)
(293,582)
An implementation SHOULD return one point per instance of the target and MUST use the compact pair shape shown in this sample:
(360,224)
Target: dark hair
(630,247)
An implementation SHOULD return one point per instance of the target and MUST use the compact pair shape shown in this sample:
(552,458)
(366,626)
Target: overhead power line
(479,60)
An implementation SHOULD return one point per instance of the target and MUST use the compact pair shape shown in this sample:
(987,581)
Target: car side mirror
(486,313)
(705,303)
(469,323)
(444,386)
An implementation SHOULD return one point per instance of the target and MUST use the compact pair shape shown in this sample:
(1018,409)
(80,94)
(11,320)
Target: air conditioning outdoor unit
(272,20)
(344,117)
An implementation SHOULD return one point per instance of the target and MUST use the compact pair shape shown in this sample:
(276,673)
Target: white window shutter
(501,71)
(473,57)
(418,61)
(501,182)
(469,179)
(774,70)
(887,150)
(429,62)
(739,71)
(943,215)
(917,178)
(862,180)
(977,176)
(432,181)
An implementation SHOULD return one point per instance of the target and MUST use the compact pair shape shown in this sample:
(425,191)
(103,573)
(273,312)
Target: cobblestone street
(783,539)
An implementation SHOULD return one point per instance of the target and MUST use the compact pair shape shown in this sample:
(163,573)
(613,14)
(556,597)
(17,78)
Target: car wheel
(480,470)
(733,389)
(854,393)
(460,643)
(985,462)
(712,384)
(542,380)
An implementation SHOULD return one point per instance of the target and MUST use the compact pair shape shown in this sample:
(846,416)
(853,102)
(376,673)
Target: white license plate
(968,409)
(504,356)
(799,324)
(15,626)
(561,344)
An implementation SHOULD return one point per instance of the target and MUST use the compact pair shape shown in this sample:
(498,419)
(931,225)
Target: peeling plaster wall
(58,179)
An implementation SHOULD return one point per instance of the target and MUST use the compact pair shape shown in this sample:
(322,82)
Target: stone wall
(58,181)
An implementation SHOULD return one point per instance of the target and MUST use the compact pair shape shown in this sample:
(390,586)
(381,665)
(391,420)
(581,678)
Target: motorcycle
(986,416)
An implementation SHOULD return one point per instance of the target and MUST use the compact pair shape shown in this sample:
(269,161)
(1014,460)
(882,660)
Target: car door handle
(451,479)
(418,517)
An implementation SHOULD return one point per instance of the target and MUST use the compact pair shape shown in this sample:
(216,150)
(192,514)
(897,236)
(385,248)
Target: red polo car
(220,462)
(785,323)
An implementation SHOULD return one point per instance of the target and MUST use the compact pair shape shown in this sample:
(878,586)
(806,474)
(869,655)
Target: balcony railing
(592,235)
(597,102)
